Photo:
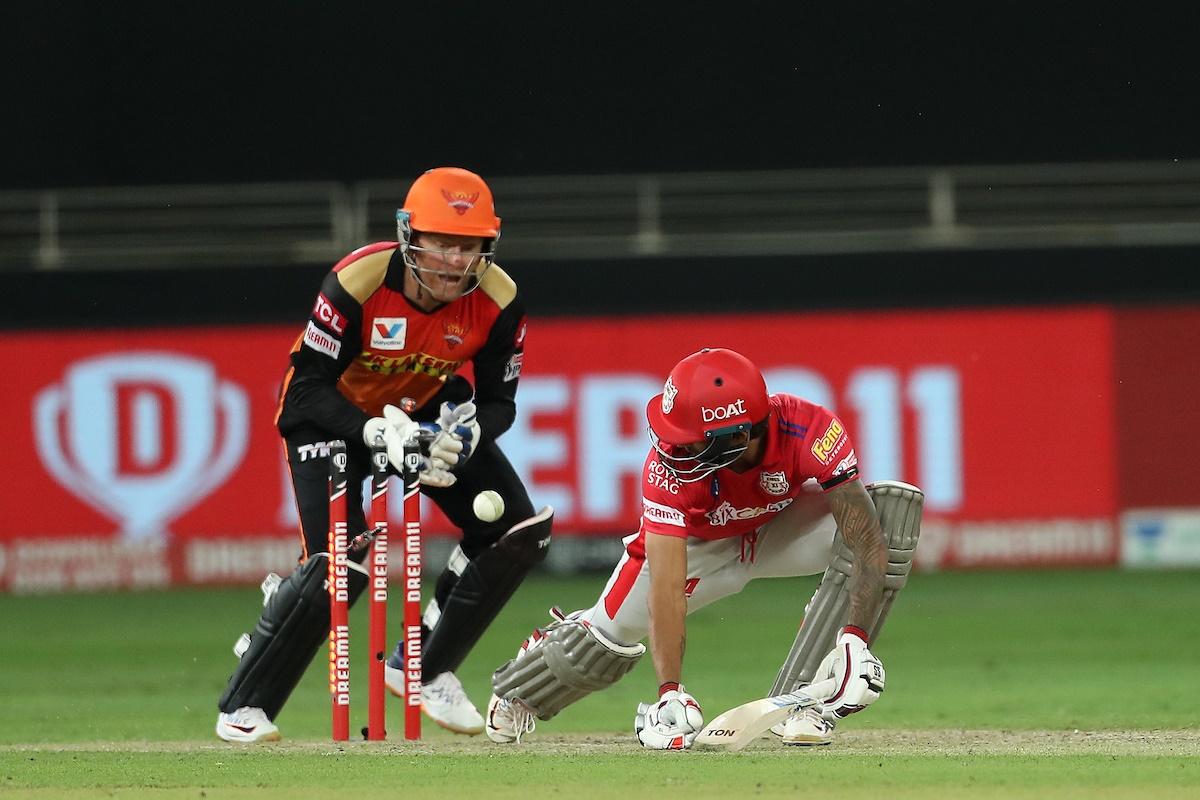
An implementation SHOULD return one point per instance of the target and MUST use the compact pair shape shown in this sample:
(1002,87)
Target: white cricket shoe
(507,721)
(247,724)
(807,727)
(442,699)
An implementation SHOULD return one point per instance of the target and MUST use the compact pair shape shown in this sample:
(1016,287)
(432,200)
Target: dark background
(138,92)
(141,93)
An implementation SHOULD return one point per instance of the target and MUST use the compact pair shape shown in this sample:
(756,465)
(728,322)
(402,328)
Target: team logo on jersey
(454,332)
(321,341)
(461,202)
(773,482)
(669,392)
(389,333)
(827,446)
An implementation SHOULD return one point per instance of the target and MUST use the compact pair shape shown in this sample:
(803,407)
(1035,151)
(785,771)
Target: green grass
(111,693)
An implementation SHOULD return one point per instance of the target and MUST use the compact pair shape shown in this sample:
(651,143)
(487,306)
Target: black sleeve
(498,368)
(332,338)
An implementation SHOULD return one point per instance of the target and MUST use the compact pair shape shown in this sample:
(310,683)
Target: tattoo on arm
(859,523)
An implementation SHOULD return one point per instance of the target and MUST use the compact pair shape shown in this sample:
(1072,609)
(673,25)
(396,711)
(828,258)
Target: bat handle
(822,690)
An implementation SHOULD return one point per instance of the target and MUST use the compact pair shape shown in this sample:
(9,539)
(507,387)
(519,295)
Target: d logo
(141,436)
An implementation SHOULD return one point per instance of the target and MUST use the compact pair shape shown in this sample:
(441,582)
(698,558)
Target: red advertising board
(144,448)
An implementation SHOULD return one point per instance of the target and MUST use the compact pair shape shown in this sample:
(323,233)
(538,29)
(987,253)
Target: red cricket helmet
(709,398)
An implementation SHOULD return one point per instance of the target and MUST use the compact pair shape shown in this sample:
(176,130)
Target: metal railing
(771,212)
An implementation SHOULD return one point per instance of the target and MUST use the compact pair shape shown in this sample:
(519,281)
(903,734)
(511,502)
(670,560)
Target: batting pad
(899,506)
(573,661)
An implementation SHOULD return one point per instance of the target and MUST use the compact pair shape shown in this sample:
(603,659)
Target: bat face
(739,726)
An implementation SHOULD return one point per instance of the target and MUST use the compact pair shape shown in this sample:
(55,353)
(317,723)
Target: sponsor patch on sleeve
(849,464)
(830,442)
(657,512)
(325,312)
(512,370)
(321,341)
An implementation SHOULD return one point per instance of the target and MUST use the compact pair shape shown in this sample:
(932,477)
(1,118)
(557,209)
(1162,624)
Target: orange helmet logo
(461,202)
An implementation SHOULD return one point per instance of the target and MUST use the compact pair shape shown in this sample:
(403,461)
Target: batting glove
(670,724)
(858,674)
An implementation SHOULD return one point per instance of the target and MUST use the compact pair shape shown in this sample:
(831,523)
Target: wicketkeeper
(397,320)
(738,485)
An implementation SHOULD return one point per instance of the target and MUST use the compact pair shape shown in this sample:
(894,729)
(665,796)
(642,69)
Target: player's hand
(398,428)
(457,434)
(858,674)
(670,724)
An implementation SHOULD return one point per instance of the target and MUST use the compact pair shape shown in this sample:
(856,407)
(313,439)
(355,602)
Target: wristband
(668,686)
(857,631)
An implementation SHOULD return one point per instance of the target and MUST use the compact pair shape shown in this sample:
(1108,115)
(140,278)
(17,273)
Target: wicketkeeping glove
(670,724)
(396,428)
(457,436)
(858,674)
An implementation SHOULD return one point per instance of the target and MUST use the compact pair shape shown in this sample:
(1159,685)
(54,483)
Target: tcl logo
(723,412)
(325,312)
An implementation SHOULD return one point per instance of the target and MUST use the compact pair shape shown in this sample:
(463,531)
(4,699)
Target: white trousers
(797,541)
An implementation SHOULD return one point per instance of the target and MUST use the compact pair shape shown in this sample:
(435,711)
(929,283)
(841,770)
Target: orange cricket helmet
(454,201)
(450,200)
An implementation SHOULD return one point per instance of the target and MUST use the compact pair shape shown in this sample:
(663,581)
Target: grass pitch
(1000,684)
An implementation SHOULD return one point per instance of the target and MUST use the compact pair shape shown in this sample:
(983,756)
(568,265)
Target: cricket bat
(740,726)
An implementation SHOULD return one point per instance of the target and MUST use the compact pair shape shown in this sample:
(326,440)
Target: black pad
(294,623)
(485,586)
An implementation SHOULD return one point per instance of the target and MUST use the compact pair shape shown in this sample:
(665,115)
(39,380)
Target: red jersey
(804,440)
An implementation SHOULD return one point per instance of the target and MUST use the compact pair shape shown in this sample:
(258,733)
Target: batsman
(738,484)
(393,321)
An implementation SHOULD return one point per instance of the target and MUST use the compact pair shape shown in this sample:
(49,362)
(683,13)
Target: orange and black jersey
(366,345)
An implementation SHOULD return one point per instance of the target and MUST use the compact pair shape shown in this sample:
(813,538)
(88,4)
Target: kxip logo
(141,436)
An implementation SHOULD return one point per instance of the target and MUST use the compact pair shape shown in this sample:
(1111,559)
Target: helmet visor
(695,461)
(447,271)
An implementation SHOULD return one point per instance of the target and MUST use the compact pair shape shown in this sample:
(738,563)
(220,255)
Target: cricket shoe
(807,728)
(247,724)
(442,699)
(508,721)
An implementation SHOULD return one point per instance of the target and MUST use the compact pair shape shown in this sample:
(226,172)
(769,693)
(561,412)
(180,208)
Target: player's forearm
(321,404)
(668,635)
(866,589)
(859,524)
